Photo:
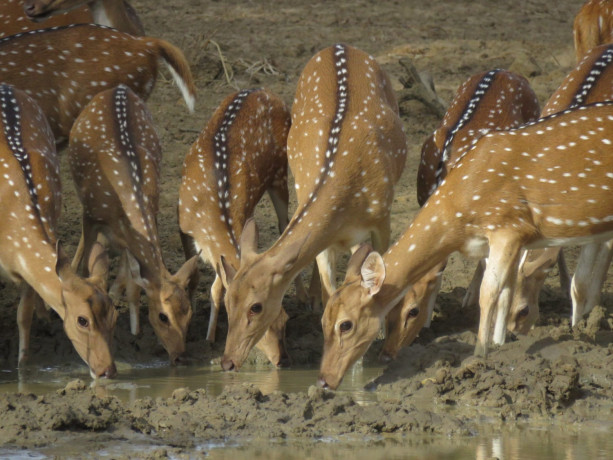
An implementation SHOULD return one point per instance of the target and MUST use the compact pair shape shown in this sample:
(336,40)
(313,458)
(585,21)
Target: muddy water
(159,380)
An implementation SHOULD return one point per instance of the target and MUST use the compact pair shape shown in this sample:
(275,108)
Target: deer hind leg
(496,291)
(122,281)
(587,283)
(28,302)
(580,283)
(189,249)
(472,292)
(565,280)
(217,291)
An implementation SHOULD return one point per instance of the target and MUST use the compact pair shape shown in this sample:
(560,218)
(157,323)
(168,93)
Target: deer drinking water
(240,155)
(492,100)
(30,253)
(115,162)
(346,150)
(518,189)
(63,68)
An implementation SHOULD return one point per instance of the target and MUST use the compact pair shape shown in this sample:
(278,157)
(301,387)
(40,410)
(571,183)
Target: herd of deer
(499,180)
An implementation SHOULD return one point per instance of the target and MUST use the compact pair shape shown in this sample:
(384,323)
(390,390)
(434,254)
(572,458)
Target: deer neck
(428,241)
(39,272)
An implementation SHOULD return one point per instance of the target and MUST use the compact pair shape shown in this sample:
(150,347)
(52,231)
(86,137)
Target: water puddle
(160,380)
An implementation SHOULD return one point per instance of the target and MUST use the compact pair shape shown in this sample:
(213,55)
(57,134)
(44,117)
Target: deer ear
(135,271)
(357,259)
(98,265)
(373,272)
(249,240)
(227,272)
(186,271)
(62,265)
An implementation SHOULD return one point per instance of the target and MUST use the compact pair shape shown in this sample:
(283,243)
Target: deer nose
(321,382)
(177,359)
(110,372)
(284,362)
(385,357)
(227,364)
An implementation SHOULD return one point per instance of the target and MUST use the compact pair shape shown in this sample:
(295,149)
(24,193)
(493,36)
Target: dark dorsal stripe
(220,150)
(53,29)
(124,136)
(598,68)
(342,101)
(467,114)
(11,119)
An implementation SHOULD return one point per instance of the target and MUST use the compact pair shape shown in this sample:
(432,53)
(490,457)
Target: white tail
(29,253)
(118,14)
(589,82)
(512,191)
(593,26)
(346,150)
(74,63)
(115,161)
(239,155)
(487,101)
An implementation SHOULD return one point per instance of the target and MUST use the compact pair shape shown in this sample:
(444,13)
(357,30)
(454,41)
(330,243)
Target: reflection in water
(160,380)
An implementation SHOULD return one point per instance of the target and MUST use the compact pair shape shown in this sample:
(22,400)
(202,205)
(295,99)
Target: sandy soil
(555,374)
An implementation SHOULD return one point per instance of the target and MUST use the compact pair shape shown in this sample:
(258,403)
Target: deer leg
(25,312)
(216,301)
(189,249)
(565,281)
(472,292)
(496,291)
(587,289)
(580,283)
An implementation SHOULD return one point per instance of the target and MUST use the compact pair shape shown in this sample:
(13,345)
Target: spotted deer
(30,253)
(346,150)
(63,68)
(115,157)
(593,26)
(239,155)
(118,14)
(13,19)
(591,81)
(515,189)
(493,100)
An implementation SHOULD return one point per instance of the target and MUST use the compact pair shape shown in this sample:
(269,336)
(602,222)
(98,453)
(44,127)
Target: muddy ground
(555,375)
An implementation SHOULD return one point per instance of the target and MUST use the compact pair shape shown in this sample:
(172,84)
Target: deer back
(237,157)
(13,19)
(346,148)
(118,14)
(593,26)
(591,81)
(487,101)
(63,68)
(115,162)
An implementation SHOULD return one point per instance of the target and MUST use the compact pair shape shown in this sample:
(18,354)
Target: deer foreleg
(496,291)
(25,312)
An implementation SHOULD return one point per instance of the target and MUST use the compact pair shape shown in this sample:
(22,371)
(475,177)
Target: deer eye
(163,318)
(523,312)
(83,321)
(413,312)
(345,326)
(256,308)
